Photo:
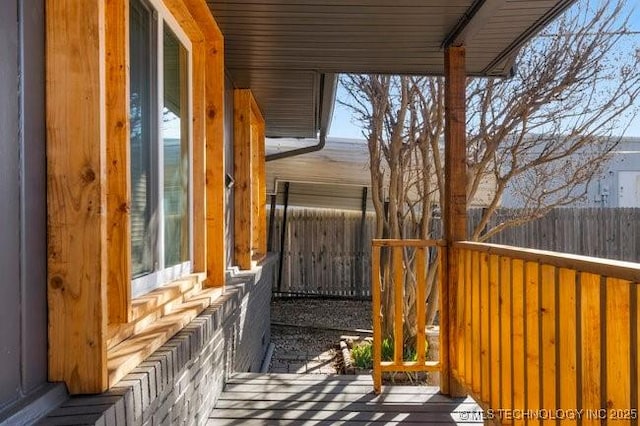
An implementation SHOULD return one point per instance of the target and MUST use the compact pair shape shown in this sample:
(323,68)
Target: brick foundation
(180,382)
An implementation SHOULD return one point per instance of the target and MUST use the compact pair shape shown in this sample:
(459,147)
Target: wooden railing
(402,254)
(546,336)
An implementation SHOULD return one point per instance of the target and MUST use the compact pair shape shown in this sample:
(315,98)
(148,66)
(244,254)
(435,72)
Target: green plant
(362,355)
(387,349)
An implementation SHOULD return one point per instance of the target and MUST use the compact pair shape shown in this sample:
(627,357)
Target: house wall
(23,237)
(604,190)
(181,382)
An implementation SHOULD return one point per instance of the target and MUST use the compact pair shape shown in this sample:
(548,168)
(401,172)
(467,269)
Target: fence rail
(538,330)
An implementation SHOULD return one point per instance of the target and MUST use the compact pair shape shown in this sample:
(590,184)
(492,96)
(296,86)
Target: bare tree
(544,133)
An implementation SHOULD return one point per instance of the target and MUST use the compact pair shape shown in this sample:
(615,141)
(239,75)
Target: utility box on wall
(629,189)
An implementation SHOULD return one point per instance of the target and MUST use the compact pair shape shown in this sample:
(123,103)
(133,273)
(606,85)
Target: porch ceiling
(286,50)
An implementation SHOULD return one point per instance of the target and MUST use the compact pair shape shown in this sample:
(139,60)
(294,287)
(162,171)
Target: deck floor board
(303,399)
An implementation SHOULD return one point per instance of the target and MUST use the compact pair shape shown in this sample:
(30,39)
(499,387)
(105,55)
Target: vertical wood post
(259,184)
(215,167)
(118,157)
(199,164)
(250,189)
(242,159)
(76,194)
(214,251)
(455,207)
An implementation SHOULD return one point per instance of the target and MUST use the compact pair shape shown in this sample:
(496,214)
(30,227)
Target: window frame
(97,333)
(161,275)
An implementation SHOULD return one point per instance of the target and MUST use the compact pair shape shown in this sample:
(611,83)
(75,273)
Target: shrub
(362,353)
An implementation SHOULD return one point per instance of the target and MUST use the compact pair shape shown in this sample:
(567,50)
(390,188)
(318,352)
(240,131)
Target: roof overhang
(288,52)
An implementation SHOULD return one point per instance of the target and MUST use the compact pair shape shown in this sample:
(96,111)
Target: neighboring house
(133,240)
(617,185)
(335,176)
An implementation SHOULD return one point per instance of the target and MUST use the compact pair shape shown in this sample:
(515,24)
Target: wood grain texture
(455,184)
(532,336)
(475,322)
(468,320)
(118,170)
(258,184)
(606,267)
(494,314)
(376,315)
(460,327)
(591,339)
(199,98)
(398,303)
(421,304)
(549,338)
(567,342)
(262,191)
(507,384)
(214,164)
(618,336)
(446,323)
(243,175)
(518,333)
(485,376)
(455,208)
(76,193)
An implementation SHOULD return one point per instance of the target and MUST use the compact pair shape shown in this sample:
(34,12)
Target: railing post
(455,200)
(377,332)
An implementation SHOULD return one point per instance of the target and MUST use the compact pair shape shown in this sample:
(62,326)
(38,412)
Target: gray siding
(604,190)
(23,317)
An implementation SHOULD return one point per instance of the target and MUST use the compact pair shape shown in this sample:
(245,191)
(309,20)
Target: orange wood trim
(242,162)
(397,265)
(215,162)
(455,189)
(131,352)
(611,268)
(118,157)
(76,193)
(407,243)
(214,250)
(377,318)
(198,158)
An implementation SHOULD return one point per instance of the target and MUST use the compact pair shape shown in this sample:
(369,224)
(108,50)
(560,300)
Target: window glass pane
(175,145)
(143,206)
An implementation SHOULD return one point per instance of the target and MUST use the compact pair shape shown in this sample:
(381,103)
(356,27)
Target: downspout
(328,89)
(299,151)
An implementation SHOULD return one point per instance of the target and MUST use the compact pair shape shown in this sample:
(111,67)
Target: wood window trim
(250,181)
(95,329)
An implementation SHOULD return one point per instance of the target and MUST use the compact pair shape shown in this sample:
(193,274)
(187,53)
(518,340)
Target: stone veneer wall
(180,382)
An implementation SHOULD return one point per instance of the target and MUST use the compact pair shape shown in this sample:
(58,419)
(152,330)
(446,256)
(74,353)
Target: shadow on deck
(287,399)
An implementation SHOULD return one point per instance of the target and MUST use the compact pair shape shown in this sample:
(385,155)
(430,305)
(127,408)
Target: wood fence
(605,233)
(328,252)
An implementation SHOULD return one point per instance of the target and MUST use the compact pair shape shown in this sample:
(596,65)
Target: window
(160,155)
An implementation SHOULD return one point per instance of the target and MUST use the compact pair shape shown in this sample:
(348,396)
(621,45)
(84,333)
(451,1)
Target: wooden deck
(288,399)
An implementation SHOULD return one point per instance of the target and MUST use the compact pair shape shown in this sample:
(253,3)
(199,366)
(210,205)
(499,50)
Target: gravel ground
(312,350)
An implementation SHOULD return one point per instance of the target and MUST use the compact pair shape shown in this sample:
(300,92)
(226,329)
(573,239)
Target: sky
(343,125)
